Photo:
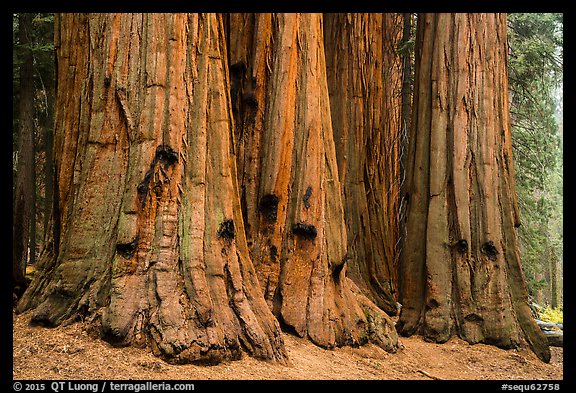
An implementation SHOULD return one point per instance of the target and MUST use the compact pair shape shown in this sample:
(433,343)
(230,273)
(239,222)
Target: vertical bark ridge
(391,145)
(437,306)
(474,284)
(261,155)
(365,105)
(291,183)
(23,215)
(412,266)
(158,191)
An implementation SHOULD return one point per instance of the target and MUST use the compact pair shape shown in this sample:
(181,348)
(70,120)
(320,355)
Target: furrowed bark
(251,46)
(291,183)
(364,79)
(461,268)
(149,238)
(23,217)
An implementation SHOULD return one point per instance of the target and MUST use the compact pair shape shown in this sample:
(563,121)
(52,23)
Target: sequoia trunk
(290,184)
(365,82)
(147,233)
(23,244)
(461,268)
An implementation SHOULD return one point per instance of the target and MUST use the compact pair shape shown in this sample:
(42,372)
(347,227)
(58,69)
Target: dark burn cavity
(489,249)
(474,318)
(462,246)
(432,304)
(237,70)
(269,207)
(337,269)
(226,230)
(251,101)
(127,250)
(307,196)
(273,253)
(305,231)
(164,154)
(143,187)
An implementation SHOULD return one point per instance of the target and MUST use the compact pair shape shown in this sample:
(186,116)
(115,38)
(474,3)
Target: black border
(318,6)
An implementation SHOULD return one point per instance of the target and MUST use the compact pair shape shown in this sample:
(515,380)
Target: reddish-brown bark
(461,270)
(364,80)
(148,235)
(23,242)
(290,182)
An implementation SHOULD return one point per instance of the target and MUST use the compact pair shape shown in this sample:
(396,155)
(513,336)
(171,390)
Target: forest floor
(68,352)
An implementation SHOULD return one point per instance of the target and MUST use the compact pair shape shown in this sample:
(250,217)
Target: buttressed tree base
(219,178)
(461,269)
(290,185)
(147,234)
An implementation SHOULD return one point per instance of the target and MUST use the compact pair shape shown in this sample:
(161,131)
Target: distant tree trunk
(23,202)
(290,184)
(407,54)
(553,262)
(461,266)
(48,176)
(539,292)
(33,211)
(48,136)
(148,238)
(545,278)
(365,81)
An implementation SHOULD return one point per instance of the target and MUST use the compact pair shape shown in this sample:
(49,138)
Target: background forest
(535,96)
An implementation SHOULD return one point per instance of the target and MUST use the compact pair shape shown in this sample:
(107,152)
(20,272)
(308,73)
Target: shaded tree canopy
(535,64)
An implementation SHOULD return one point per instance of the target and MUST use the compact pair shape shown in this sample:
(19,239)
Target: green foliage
(535,46)
(535,80)
(549,314)
(40,34)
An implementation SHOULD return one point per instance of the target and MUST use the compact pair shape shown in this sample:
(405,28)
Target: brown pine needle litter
(69,352)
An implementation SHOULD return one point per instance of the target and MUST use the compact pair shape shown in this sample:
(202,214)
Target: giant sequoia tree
(290,184)
(364,80)
(219,176)
(461,269)
(147,234)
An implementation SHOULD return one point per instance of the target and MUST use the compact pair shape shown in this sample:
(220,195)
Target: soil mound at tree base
(68,352)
